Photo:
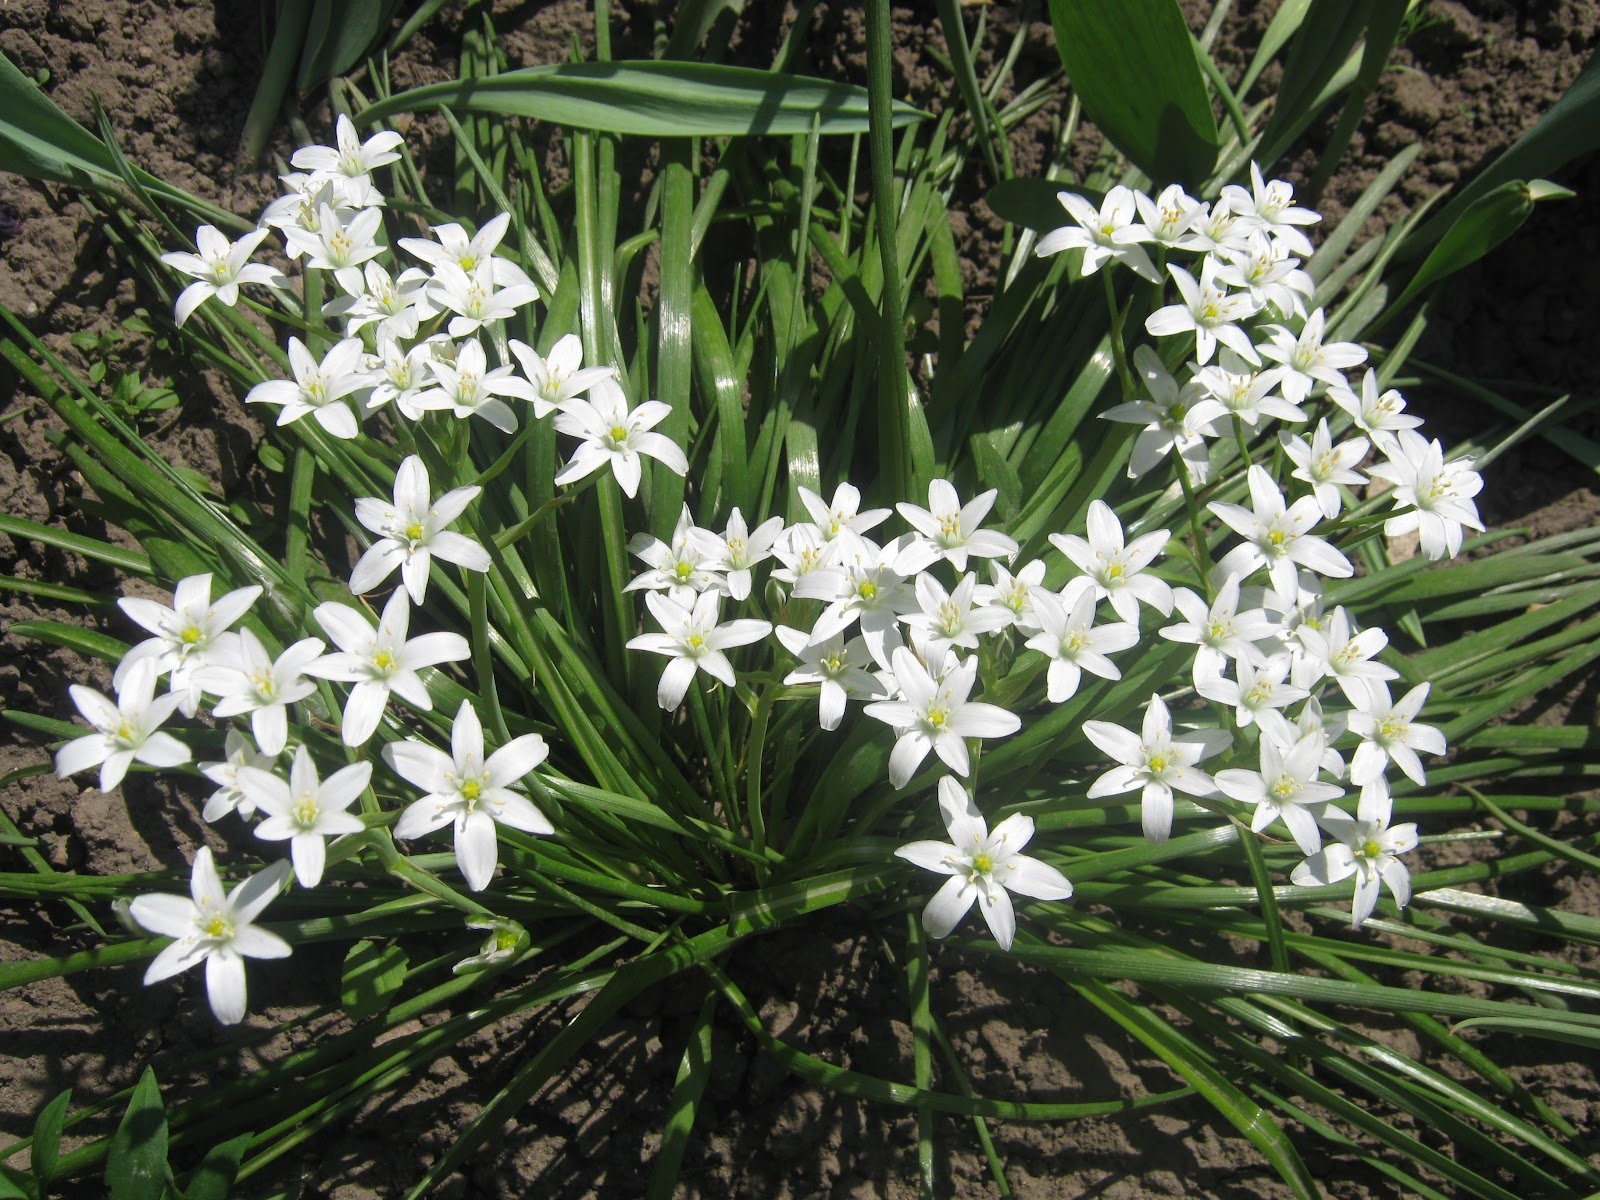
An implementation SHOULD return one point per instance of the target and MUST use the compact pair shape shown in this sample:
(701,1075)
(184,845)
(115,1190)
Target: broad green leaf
(1132,64)
(693,1073)
(46,1146)
(213,1178)
(372,974)
(1490,220)
(654,99)
(1327,35)
(338,35)
(15,1185)
(136,1164)
(1030,203)
(88,642)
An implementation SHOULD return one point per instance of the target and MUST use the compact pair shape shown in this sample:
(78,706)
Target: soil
(176,77)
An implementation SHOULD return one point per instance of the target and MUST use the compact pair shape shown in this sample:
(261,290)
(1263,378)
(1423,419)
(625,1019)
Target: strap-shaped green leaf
(1132,63)
(654,99)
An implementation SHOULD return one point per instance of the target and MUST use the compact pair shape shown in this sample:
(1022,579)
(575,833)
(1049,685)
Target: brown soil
(176,77)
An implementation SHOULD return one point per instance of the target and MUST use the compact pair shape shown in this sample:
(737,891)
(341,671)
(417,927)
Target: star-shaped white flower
(1173,419)
(1155,763)
(843,512)
(694,641)
(219,269)
(237,752)
(215,928)
(1389,733)
(249,680)
(1365,846)
(613,435)
(1209,311)
(861,581)
(306,811)
(1440,492)
(476,296)
(186,633)
(1326,466)
(1219,630)
(1115,568)
(349,156)
(1347,654)
(1285,788)
(1374,411)
(412,532)
(949,620)
(468,387)
(338,245)
(1278,536)
(560,377)
(935,714)
(982,866)
(691,563)
(1110,233)
(950,530)
(1258,693)
(740,548)
(842,667)
(126,730)
(454,248)
(379,660)
(470,791)
(1305,360)
(1072,642)
(319,388)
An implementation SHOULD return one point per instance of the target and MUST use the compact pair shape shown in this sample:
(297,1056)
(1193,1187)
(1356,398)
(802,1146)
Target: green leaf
(1490,220)
(1132,64)
(1030,203)
(1551,1028)
(693,1073)
(15,1185)
(654,99)
(213,1178)
(338,36)
(46,1146)
(136,1164)
(372,974)
(87,642)
(1328,33)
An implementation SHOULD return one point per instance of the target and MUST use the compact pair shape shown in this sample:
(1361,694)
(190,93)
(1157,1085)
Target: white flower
(1374,411)
(219,269)
(1258,693)
(214,928)
(399,375)
(305,811)
(476,297)
(1117,569)
(1109,233)
(1305,361)
(185,634)
(1069,638)
(398,306)
(1263,268)
(1173,418)
(308,195)
(692,563)
(694,641)
(1271,207)
(1219,630)
(560,377)
(950,530)
(337,246)
(249,680)
(412,533)
(126,730)
(470,791)
(1218,229)
(936,715)
(1285,787)
(1156,763)
(801,549)
(613,435)
(1346,655)
(349,156)
(1169,216)
(1278,536)
(454,248)
(1012,595)
(318,388)
(229,797)
(982,866)
(1389,734)
(1441,492)
(948,620)
(843,512)
(742,548)
(1366,846)
(1208,311)
(1325,466)
(1245,391)
(379,661)
(843,668)
(468,388)
(861,583)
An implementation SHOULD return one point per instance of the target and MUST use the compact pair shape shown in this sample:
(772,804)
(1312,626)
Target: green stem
(1197,529)
(1119,351)
(894,432)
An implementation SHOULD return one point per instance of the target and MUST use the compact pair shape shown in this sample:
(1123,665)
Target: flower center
(217,926)
(982,863)
(683,570)
(1157,763)
(384,661)
(1371,849)
(950,527)
(191,635)
(305,810)
(471,790)
(868,590)
(937,718)
(696,642)
(619,434)
(1285,786)
(468,261)
(124,732)
(1392,729)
